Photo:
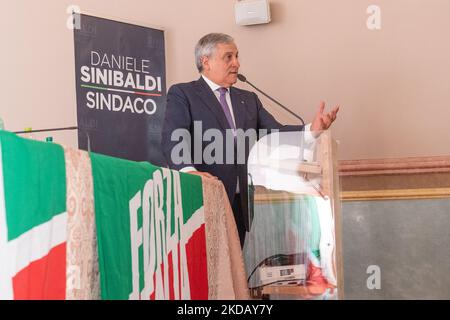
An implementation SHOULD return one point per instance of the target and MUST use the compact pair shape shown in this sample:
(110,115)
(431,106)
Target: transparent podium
(293,248)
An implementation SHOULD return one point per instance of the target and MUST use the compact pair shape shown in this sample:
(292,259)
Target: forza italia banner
(151,231)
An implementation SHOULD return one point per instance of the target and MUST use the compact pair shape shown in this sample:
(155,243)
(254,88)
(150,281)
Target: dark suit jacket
(195,101)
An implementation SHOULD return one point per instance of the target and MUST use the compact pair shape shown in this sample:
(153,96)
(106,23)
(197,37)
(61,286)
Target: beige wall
(393,84)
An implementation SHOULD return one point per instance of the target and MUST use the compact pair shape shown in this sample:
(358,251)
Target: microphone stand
(47,130)
(244,79)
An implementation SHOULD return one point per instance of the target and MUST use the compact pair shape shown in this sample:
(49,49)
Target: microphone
(244,79)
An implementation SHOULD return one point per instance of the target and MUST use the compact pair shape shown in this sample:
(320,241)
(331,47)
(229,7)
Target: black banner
(121,88)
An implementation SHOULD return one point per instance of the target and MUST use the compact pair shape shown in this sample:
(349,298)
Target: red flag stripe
(44,278)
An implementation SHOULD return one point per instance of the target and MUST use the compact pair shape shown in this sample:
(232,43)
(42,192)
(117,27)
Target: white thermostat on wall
(248,12)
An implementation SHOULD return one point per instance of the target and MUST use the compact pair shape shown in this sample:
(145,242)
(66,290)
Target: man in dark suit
(212,105)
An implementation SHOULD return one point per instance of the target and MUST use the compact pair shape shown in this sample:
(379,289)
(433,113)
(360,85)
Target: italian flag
(33,219)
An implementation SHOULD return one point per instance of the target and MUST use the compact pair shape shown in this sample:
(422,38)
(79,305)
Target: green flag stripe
(34,182)
(191,185)
(116,181)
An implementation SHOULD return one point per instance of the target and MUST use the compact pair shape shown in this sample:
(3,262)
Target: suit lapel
(238,108)
(211,102)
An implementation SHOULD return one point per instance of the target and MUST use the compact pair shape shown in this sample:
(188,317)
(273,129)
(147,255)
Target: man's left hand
(322,121)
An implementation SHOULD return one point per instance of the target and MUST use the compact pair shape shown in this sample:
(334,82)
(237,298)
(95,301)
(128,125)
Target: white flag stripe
(194,222)
(28,247)
(6,290)
(37,242)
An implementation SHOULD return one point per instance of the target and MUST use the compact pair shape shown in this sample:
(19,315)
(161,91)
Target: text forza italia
(156,238)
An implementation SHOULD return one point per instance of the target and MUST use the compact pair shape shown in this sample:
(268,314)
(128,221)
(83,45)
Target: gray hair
(207,45)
